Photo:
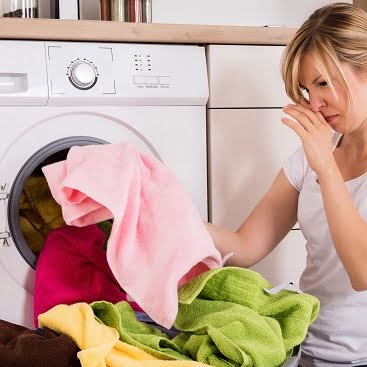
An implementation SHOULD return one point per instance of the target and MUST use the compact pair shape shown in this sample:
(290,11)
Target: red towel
(72,267)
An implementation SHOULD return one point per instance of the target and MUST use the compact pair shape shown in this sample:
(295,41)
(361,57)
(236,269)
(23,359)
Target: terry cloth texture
(158,240)
(99,343)
(21,347)
(73,268)
(227,315)
(225,319)
(122,318)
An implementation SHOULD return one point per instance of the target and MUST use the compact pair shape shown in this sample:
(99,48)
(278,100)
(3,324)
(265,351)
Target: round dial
(83,74)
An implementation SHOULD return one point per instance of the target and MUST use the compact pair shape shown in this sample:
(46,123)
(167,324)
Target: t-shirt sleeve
(295,168)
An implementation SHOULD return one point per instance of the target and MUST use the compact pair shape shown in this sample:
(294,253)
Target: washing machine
(54,95)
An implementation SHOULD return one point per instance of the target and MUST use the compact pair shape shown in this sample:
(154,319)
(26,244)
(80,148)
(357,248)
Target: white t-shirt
(339,334)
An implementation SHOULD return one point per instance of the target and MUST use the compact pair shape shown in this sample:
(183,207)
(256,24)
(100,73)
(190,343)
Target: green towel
(228,319)
(121,317)
(106,228)
(225,319)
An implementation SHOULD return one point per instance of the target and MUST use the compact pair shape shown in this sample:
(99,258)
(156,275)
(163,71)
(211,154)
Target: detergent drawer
(23,82)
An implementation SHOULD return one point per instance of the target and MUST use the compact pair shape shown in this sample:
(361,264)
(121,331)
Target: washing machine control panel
(82,74)
(116,74)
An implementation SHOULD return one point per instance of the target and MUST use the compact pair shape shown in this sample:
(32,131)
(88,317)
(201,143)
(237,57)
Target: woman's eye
(323,84)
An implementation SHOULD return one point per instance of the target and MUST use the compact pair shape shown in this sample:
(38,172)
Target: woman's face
(334,106)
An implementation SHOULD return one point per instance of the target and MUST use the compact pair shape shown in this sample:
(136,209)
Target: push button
(164,80)
(152,80)
(139,79)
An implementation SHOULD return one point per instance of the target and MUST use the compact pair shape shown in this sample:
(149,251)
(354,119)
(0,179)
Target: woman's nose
(316,102)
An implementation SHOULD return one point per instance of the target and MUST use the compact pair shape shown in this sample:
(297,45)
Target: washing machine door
(27,144)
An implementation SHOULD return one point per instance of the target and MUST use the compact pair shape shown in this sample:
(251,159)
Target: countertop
(105,31)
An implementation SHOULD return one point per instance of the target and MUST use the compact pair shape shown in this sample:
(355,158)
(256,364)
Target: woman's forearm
(225,241)
(347,228)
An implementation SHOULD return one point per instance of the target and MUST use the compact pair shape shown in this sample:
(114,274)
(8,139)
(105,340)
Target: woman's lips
(330,119)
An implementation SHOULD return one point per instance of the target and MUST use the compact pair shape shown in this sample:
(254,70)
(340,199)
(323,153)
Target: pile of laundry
(129,276)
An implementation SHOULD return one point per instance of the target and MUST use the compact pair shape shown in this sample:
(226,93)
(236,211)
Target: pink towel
(72,267)
(158,240)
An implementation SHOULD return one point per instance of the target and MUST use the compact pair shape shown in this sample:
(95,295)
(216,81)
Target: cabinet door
(245,76)
(247,148)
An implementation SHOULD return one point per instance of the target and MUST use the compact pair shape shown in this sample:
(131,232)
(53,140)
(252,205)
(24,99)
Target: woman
(323,185)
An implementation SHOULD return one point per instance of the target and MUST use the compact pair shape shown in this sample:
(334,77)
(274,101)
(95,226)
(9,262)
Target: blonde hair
(333,34)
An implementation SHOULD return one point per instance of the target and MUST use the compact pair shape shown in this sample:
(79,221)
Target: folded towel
(99,343)
(21,347)
(72,267)
(227,316)
(158,240)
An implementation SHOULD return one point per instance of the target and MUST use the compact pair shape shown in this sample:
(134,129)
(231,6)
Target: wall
(288,13)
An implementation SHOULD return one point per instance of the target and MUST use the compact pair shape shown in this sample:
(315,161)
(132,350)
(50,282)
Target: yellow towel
(100,345)
(126,355)
(94,339)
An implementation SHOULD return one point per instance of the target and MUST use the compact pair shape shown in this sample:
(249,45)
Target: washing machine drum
(32,211)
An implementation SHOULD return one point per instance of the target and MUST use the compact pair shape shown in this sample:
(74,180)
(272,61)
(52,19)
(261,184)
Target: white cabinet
(245,76)
(248,145)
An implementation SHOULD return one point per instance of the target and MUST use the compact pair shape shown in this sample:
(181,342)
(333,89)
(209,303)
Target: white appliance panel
(134,74)
(242,76)
(21,81)
(246,151)
(286,262)
(247,147)
(176,135)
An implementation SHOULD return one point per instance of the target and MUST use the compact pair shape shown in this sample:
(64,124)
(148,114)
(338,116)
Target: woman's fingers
(315,117)
(295,126)
(307,118)
(300,117)
(321,118)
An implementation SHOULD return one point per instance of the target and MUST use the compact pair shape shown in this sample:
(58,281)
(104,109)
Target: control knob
(83,74)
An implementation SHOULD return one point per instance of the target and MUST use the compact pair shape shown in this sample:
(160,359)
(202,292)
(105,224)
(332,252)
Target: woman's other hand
(315,135)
